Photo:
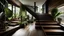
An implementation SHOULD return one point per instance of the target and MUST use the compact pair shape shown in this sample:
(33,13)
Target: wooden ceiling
(54,3)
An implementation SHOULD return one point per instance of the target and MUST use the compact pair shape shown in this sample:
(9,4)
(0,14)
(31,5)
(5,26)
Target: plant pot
(59,20)
(22,26)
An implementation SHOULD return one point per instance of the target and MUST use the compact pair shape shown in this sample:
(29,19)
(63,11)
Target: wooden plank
(53,30)
(46,22)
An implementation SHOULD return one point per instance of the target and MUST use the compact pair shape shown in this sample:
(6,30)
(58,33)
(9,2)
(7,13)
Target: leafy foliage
(23,14)
(8,12)
(55,13)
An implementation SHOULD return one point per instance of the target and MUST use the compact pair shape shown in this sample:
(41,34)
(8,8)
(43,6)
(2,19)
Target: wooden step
(46,23)
(51,26)
(54,31)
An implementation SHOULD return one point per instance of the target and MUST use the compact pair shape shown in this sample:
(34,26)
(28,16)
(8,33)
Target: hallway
(31,18)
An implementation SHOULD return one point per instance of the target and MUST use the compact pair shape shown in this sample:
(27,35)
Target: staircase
(52,29)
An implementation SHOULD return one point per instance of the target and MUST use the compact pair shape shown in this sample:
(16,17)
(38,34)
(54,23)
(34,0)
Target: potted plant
(21,24)
(55,13)
(22,15)
(59,20)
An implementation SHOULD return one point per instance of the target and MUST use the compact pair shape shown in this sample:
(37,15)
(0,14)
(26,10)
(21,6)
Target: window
(61,9)
(17,12)
(10,6)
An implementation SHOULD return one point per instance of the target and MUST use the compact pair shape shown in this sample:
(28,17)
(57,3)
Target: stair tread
(53,30)
(51,26)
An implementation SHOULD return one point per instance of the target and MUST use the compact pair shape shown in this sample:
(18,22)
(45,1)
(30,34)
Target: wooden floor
(29,31)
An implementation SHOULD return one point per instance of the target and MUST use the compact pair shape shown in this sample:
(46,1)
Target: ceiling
(31,2)
(55,3)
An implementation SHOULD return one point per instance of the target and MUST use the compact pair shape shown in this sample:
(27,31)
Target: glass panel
(10,6)
(14,12)
(40,9)
(17,12)
(61,9)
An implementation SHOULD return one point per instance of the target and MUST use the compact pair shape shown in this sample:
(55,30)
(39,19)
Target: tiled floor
(29,31)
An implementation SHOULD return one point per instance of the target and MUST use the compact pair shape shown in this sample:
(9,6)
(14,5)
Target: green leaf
(8,12)
(57,14)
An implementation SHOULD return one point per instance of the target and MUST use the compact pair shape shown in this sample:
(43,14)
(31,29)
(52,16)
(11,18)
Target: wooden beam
(14,2)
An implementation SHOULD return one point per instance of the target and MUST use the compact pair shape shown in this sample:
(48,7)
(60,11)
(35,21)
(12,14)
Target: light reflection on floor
(21,32)
(30,31)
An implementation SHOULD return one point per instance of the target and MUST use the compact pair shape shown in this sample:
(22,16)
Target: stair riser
(46,24)
(51,28)
(55,33)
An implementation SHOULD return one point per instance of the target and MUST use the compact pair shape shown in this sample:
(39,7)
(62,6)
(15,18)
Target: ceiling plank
(55,3)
